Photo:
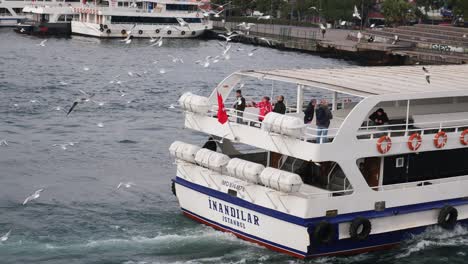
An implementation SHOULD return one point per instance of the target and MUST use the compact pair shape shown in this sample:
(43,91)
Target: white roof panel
(368,81)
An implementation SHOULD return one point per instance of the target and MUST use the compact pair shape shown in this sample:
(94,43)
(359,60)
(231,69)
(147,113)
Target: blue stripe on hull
(344,246)
(311,221)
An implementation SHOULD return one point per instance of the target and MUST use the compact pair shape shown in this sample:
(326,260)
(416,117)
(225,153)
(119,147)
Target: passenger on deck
(309,112)
(323,117)
(239,106)
(280,107)
(379,117)
(264,106)
(210,144)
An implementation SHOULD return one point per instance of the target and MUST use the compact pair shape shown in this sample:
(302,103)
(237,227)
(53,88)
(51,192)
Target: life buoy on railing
(108,31)
(448,216)
(360,229)
(440,139)
(182,33)
(101,29)
(169,32)
(384,144)
(140,31)
(414,141)
(123,32)
(105,26)
(193,33)
(324,233)
(157,31)
(464,137)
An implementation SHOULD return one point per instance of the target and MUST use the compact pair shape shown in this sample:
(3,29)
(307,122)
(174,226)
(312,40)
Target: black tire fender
(360,228)
(324,233)
(448,217)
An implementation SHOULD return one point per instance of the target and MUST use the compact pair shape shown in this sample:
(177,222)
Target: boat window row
(67,18)
(4,12)
(424,168)
(176,7)
(151,20)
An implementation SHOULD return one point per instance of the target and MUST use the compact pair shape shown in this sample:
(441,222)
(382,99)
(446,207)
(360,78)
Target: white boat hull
(140,31)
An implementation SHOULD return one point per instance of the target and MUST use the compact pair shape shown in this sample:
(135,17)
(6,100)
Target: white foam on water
(436,237)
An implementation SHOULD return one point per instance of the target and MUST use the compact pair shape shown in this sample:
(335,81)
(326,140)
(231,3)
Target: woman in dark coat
(309,112)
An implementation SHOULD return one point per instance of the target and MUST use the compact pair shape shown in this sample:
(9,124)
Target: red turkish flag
(222,115)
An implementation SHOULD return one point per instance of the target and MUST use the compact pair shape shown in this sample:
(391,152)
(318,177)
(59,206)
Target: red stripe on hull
(338,253)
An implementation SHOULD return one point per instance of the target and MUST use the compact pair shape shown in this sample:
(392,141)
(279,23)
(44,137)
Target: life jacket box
(212,160)
(184,151)
(245,170)
(283,124)
(282,181)
(194,103)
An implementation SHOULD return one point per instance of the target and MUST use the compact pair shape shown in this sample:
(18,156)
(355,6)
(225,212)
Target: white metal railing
(423,183)
(421,128)
(250,119)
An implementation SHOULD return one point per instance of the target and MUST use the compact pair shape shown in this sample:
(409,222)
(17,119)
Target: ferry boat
(48,18)
(360,188)
(11,12)
(142,19)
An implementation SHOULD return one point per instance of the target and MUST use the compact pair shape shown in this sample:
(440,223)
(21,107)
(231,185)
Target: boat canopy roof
(370,81)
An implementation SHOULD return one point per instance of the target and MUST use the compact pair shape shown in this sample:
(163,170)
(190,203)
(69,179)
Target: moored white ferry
(364,188)
(48,18)
(142,19)
(11,12)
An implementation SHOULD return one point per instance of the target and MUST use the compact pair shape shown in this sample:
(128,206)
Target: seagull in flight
(5,236)
(427,74)
(125,184)
(251,52)
(42,44)
(264,17)
(22,30)
(3,142)
(128,39)
(175,59)
(182,22)
(156,42)
(356,13)
(229,37)
(33,196)
(86,98)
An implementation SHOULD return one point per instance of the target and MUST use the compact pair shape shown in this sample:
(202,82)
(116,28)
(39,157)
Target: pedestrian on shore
(280,107)
(309,112)
(239,106)
(323,117)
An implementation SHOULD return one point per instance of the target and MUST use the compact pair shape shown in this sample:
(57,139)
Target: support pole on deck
(335,101)
(300,98)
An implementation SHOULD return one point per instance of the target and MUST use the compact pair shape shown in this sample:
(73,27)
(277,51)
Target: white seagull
(264,17)
(427,74)
(158,42)
(42,44)
(125,184)
(229,37)
(33,196)
(5,236)
(356,13)
(182,22)
(251,52)
(3,142)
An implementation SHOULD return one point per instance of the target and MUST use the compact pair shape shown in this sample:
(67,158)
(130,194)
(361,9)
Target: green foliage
(398,12)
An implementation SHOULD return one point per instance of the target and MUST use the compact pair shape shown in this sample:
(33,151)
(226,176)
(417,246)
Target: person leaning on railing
(264,106)
(323,117)
(379,118)
(239,106)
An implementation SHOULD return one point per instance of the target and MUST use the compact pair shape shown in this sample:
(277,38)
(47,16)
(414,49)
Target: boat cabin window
(61,18)
(176,7)
(144,20)
(423,116)
(416,169)
(4,12)
(18,11)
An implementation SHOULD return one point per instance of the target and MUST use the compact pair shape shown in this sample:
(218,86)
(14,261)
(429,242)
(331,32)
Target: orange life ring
(440,139)
(463,137)
(414,141)
(384,144)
